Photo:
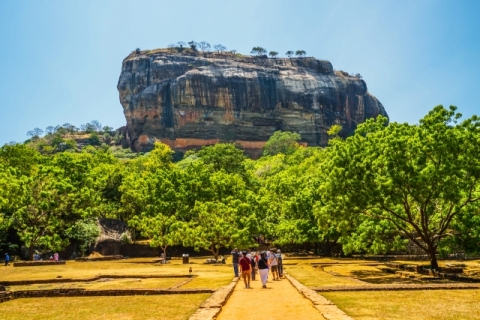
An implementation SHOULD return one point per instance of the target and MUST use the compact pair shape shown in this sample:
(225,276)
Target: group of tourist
(248,264)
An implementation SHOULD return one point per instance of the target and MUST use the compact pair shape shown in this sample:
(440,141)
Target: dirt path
(280,297)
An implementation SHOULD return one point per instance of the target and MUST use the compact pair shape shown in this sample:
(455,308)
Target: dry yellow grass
(129,283)
(314,277)
(211,276)
(425,305)
(117,308)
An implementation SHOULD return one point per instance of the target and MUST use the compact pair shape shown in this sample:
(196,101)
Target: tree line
(373,192)
(205,47)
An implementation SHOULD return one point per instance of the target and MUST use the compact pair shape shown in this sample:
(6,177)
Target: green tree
(403,181)
(300,53)
(217,225)
(38,220)
(94,139)
(289,53)
(85,232)
(258,51)
(281,142)
(163,231)
(273,54)
(223,156)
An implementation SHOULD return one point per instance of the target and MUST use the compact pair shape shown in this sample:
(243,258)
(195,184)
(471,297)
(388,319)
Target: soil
(279,300)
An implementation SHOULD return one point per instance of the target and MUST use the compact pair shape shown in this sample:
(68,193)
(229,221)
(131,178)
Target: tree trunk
(432,252)
(30,252)
(433,259)
(164,249)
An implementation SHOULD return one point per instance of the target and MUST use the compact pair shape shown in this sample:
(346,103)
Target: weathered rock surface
(188,101)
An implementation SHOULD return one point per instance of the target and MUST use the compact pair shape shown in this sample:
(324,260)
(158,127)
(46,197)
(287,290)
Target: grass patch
(118,308)
(368,274)
(129,283)
(82,270)
(428,304)
(314,277)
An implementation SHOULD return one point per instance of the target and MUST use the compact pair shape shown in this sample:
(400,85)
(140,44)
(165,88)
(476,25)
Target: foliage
(403,181)
(203,45)
(258,51)
(300,53)
(85,232)
(289,53)
(374,191)
(273,54)
(40,215)
(281,142)
(219,48)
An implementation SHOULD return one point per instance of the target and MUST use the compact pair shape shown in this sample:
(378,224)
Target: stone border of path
(327,308)
(399,287)
(210,309)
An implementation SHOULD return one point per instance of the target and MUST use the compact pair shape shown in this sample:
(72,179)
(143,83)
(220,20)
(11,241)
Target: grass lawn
(118,308)
(130,283)
(427,304)
(210,276)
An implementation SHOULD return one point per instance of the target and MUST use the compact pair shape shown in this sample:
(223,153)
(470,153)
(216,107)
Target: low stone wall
(104,258)
(37,263)
(210,309)
(397,287)
(113,276)
(95,293)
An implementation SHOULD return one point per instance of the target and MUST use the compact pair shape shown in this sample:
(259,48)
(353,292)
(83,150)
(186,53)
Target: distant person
(235,258)
(55,256)
(263,269)
(51,258)
(246,268)
(273,260)
(280,263)
(7,259)
(36,257)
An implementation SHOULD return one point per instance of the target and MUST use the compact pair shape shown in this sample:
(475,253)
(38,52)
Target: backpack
(279,258)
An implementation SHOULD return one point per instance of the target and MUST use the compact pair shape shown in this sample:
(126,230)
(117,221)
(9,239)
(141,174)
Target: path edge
(211,307)
(327,308)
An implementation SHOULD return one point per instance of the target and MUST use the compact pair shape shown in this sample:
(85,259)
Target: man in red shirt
(245,267)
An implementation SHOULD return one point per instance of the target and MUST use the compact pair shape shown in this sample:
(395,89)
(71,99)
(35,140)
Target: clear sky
(60,60)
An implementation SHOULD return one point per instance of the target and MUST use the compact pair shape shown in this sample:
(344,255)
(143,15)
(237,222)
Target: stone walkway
(280,300)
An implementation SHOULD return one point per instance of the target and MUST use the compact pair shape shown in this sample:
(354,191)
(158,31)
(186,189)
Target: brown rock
(188,101)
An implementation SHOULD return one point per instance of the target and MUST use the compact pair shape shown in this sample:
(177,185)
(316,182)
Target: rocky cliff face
(188,101)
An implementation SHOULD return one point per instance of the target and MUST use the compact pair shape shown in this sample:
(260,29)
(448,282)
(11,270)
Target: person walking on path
(253,264)
(246,267)
(263,269)
(235,258)
(273,260)
(280,263)
(7,259)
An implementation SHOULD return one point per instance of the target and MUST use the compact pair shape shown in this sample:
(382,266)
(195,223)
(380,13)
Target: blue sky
(60,60)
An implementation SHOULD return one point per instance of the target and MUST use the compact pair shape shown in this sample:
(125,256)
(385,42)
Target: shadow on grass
(377,277)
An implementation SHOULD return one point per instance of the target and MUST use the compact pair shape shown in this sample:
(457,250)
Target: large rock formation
(191,100)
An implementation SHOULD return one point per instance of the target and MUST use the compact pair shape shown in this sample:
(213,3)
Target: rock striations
(191,100)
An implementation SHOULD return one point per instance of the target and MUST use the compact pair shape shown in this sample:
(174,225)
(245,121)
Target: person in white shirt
(273,260)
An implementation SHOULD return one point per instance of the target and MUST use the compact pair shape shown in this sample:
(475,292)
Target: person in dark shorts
(246,267)
(273,260)
(235,258)
(7,259)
